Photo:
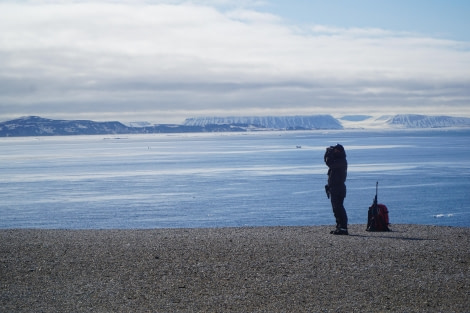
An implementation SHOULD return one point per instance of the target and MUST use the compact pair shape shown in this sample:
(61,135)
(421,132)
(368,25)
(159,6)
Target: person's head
(335,152)
(339,151)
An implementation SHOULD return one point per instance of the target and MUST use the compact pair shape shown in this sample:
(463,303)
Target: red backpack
(377,219)
(377,216)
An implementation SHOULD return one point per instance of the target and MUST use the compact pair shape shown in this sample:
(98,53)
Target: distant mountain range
(38,126)
(271,122)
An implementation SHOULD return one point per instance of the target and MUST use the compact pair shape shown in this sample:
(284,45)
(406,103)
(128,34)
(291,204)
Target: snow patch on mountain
(365,122)
(137,124)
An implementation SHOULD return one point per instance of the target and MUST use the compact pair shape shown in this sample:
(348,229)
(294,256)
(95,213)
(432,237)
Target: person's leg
(339,212)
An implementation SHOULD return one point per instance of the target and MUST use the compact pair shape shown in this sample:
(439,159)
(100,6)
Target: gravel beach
(415,268)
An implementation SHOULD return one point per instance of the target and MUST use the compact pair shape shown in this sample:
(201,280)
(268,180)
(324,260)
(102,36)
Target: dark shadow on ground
(393,237)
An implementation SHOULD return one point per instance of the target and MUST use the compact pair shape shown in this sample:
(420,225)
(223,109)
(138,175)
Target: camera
(329,153)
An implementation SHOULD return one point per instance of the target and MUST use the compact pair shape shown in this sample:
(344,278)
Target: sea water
(230,179)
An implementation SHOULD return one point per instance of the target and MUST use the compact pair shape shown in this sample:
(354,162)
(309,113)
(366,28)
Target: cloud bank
(167,61)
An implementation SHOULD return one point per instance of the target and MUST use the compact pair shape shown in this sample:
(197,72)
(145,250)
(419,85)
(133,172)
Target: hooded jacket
(335,159)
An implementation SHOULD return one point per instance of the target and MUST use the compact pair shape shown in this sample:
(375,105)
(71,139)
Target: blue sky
(437,18)
(165,60)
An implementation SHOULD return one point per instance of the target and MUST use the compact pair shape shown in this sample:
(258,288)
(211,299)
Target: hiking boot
(340,231)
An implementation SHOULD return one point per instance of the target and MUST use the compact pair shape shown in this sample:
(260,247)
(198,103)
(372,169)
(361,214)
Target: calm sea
(230,179)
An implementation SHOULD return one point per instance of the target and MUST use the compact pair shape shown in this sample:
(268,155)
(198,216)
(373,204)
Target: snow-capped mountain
(400,121)
(271,122)
(38,126)
(425,121)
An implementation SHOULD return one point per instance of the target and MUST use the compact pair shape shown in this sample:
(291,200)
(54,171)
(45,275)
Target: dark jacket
(337,173)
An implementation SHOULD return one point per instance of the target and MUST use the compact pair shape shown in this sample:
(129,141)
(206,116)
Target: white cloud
(152,58)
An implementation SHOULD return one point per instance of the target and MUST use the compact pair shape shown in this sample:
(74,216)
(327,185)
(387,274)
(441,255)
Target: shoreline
(414,268)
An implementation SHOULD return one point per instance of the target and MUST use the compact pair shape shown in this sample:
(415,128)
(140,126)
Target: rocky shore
(415,268)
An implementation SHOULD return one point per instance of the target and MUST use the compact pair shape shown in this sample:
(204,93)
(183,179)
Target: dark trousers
(339,211)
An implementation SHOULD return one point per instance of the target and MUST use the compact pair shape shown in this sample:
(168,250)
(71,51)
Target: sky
(162,61)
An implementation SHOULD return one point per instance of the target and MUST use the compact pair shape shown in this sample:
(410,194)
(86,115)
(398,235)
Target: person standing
(335,159)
